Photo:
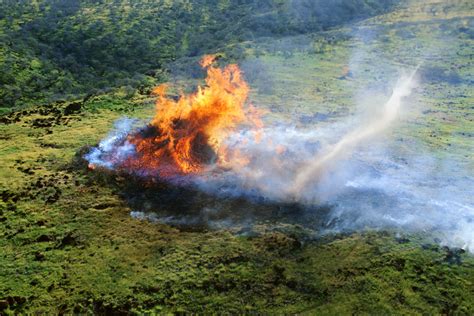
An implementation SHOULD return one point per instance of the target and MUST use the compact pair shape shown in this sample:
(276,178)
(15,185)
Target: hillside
(54,50)
(78,240)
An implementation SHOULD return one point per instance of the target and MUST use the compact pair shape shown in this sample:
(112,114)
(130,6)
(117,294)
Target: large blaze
(186,135)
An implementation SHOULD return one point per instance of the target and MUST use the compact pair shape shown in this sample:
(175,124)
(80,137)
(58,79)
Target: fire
(187,135)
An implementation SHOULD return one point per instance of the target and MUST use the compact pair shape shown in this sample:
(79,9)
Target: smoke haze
(330,156)
(360,166)
(352,166)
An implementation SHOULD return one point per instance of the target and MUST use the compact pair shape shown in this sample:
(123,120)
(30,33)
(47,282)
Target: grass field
(69,245)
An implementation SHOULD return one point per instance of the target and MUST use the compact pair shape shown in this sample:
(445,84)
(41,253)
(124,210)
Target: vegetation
(57,49)
(67,241)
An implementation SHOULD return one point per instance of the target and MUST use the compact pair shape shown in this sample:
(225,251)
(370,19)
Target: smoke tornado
(329,156)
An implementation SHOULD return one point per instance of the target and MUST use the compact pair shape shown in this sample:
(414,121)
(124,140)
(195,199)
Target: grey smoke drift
(367,186)
(331,155)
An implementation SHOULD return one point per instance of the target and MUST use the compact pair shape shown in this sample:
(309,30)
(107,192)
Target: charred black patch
(12,302)
(45,188)
(103,206)
(201,150)
(51,115)
(453,255)
(45,238)
(441,75)
(8,196)
(180,203)
(189,208)
(316,117)
(179,124)
(149,132)
(68,240)
(72,108)
(42,122)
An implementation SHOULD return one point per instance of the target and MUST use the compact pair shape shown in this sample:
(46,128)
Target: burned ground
(183,205)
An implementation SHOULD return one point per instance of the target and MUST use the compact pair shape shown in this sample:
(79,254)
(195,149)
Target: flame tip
(188,133)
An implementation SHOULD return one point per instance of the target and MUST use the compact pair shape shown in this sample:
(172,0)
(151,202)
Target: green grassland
(313,74)
(69,245)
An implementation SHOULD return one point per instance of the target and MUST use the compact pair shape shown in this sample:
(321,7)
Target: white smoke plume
(114,148)
(292,164)
(365,181)
(368,183)
(330,156)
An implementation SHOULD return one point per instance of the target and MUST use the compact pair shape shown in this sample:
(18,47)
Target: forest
(53,50)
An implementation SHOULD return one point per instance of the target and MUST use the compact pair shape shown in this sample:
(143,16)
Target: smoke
(114,148)
(365,168)
(369,179)
(332,155)
(355,167)
(289,164)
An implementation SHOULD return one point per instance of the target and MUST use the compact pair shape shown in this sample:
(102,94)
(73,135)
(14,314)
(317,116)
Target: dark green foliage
(60,48)
(68,244)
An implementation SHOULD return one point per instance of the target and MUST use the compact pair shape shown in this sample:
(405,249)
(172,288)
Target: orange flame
(186,135)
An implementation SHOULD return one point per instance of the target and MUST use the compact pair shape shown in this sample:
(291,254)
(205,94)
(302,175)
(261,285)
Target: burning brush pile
(207,157)
(192,164)
(185,137)
(215,140)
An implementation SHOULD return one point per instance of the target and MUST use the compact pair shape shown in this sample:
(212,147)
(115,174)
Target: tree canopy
(53,49)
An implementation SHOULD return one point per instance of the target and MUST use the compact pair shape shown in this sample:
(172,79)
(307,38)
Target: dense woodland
(58,49)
